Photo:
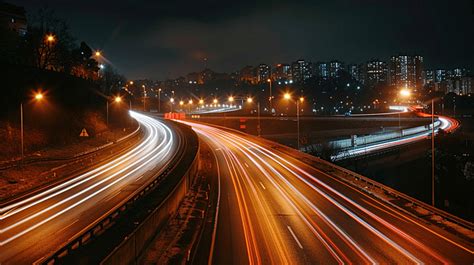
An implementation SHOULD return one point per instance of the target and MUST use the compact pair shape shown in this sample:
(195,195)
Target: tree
(50,41)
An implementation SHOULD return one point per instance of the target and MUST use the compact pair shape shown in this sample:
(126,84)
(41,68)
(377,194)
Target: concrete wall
(130,250)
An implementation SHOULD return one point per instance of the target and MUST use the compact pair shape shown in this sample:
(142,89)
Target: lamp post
(270,98)
(159,100)
(259,129)
(38,97)
(404,93)
(287,96)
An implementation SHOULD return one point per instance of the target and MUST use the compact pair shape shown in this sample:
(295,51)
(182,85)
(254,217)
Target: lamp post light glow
(201,101)
(405,93)
(249,100)
(38,96)
(231,99)
(215,101)
(50,38)
(287,96)
(99,53)
(118,99)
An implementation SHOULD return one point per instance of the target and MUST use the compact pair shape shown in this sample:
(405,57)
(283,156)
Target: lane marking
(246,164)
(294,236)
(262,185)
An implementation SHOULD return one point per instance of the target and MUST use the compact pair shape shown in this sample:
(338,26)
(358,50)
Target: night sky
(157,40)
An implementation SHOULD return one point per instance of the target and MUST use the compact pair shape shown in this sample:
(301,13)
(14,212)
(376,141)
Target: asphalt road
(38,225)
(276,209)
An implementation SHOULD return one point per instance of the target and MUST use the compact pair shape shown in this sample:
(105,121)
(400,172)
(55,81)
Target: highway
(446,123)
(273,208)
(38,225)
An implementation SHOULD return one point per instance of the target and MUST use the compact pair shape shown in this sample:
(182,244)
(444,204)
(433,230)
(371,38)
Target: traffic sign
(84,133)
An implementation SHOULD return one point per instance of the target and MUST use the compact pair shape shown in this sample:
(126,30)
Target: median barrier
(170,185)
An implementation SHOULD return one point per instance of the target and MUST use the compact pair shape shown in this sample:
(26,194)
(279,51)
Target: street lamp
(171,104)
(287,96)
(404,93)
(250,100)
(270,98)
(38,97)
(201,101)
(159,100)
(99,53)
(50,38)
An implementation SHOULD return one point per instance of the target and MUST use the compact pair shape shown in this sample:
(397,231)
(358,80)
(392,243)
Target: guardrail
(356,140)
(82,158)
(98,227)
(14,163)
(452,218)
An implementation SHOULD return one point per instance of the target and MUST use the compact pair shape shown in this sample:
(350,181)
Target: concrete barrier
(134,245)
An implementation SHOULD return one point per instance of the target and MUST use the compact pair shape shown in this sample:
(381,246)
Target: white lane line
(294,236)
(246,164)
(261,184)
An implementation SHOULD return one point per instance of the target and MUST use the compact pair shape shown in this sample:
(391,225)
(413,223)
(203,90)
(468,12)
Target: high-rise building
(322,70)
(406,71)
(335,67)
(429,77)
(375,73)
(282,72)
(440,75)
(301,71)
(263,73)
(247,75)
(356,72)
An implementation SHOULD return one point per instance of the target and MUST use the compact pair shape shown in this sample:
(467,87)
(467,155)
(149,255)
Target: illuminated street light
(201,101)
(215,101)
(181,103)
(38,96)
(190,101)
(231,99)
(171,100)
(50,38)
(249,100)
(287,96)
(131,82)
(405,93)
(99,53)
(118,99)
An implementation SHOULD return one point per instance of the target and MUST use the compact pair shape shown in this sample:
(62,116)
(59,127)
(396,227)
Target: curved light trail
(39,224)
(277,209)
(447,124)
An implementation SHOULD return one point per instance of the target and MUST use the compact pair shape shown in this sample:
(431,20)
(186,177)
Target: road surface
(39,224)
(275,209)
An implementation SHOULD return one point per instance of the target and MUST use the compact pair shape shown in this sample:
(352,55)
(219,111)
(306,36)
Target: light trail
(335,213)
(95,192)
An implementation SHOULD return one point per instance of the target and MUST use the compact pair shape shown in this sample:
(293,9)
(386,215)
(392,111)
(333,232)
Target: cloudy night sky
(152,39)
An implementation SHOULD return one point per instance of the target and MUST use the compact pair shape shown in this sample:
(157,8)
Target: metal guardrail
(78,158)
(450,217)
(14,163)
(102,223)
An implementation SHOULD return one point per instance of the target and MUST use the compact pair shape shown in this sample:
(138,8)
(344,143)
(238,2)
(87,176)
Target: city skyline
(175,39)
